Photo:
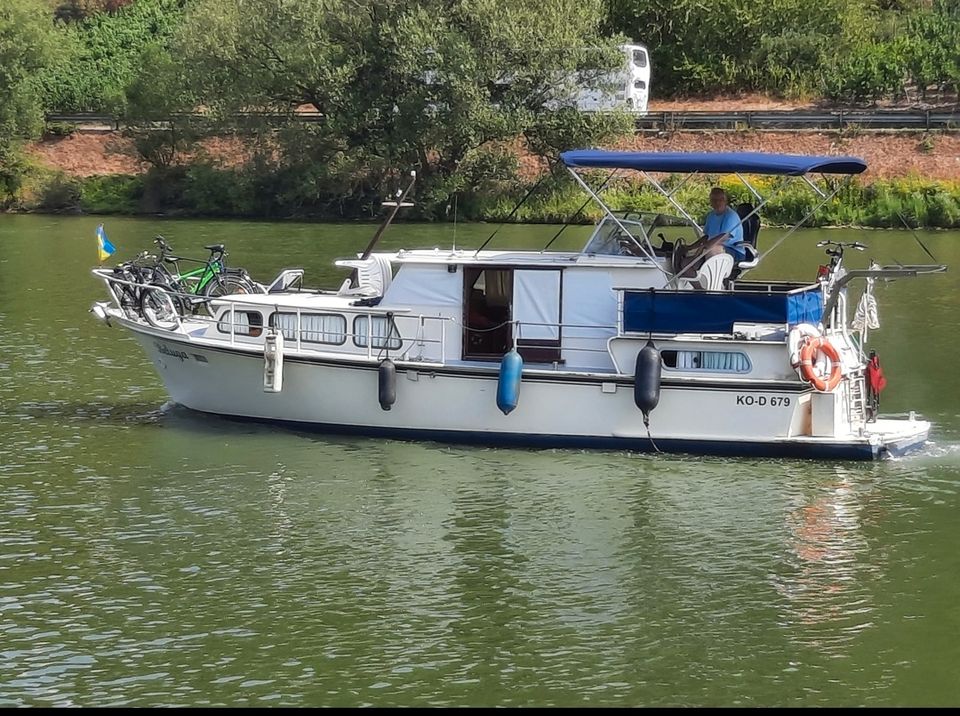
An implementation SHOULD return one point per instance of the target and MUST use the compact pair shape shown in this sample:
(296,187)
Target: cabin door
(536,314)
(487,294)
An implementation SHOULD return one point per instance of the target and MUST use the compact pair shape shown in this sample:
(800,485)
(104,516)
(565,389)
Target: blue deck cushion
(699,312)
(713,162)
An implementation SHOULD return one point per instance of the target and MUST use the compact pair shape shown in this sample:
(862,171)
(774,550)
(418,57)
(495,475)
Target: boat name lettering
(763,400)
(172,353)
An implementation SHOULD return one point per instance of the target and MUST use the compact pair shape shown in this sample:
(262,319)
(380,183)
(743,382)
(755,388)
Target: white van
(629,88)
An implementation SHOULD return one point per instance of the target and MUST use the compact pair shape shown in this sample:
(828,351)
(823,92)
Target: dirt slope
(934,156)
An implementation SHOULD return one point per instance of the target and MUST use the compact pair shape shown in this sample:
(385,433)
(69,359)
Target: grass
(916,201)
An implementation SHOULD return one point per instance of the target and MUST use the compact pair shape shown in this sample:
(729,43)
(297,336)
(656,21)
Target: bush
(60,195)
(113,194)
(211,191)
(14,169)
(59,129)
(870,72)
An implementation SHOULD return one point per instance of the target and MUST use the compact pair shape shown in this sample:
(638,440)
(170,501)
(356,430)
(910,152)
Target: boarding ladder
(857,399)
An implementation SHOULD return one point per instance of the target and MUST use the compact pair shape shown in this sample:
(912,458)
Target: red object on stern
(874,374)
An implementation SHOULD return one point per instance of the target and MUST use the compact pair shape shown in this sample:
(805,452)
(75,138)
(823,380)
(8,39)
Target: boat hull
(458,404)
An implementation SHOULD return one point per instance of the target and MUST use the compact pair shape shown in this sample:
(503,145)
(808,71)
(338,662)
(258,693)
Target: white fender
(797,334)
(273,362)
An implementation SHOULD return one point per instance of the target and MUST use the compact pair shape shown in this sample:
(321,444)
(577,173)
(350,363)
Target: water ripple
(150,556)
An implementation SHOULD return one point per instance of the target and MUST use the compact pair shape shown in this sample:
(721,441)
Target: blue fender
(508,384)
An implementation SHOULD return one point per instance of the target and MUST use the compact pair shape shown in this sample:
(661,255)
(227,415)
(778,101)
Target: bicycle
(172,295)
(213,278)
(835,269)
(132,275)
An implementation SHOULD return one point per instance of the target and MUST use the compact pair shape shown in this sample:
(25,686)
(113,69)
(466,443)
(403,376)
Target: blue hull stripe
(731,448)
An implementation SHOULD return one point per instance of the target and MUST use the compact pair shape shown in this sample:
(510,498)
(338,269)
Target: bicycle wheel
(228,284)
(129,300)
(243,277)
(158,308)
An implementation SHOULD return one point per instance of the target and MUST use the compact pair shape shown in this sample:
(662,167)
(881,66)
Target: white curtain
(536,304)
(720,361)
(383,333)
(314,327)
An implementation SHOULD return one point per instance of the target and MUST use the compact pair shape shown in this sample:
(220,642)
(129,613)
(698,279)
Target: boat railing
(235,325)
(408,331)
(387,330)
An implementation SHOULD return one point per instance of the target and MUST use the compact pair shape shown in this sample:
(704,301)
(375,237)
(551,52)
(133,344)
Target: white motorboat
(602,348)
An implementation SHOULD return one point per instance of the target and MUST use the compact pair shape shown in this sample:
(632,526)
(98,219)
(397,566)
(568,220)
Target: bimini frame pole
(668,195)
(756,194)
(647,250)
(824,200)
(583,206)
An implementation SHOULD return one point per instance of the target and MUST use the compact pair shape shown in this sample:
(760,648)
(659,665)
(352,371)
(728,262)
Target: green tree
(27,45)
(159,109)
(400,84)
(103,53)
(79,9)
(729,45)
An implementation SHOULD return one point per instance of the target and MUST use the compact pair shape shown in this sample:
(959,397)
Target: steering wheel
(628,246)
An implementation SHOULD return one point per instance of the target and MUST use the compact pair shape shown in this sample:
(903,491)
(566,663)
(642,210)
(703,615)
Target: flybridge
(791,166)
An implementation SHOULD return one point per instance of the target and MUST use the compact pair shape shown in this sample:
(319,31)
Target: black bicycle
(836,253)
(175,293)
(132,277)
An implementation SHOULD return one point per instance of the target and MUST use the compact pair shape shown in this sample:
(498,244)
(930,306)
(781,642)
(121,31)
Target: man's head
(718,199)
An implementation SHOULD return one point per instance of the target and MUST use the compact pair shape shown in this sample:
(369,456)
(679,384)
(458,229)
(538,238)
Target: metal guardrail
(923,120)
(770,120)
(85,122)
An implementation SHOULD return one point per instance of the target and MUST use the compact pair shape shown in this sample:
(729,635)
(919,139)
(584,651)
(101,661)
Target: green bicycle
(176,293)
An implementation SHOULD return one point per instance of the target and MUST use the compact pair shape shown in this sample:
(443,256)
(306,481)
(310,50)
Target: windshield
(608,238)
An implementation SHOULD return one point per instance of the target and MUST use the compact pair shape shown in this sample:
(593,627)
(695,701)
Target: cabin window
(381,330)
(245,323)
(712,361)
(327,328)
(640,58)
(640,85)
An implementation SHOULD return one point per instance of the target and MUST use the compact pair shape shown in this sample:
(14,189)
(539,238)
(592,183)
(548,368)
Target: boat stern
(893,437)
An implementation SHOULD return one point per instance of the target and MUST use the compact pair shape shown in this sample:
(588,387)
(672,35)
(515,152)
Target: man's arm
(709,242)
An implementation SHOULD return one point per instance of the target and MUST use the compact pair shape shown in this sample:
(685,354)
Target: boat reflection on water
(829,565)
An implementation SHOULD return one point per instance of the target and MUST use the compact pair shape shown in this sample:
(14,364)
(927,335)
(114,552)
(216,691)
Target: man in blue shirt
(722,231)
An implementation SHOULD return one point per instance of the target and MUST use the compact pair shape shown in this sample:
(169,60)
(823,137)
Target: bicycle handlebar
(843,244)
(166,249)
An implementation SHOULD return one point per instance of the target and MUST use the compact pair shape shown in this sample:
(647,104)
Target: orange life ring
(808,351)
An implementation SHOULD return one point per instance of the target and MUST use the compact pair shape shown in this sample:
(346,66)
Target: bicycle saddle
(215,247)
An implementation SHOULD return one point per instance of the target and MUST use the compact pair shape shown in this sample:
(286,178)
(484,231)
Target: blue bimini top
(712,162)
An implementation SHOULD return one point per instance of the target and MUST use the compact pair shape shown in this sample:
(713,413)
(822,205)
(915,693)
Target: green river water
(152,556)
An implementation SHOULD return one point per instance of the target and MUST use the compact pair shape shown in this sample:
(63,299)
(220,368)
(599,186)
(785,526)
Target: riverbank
(912,179)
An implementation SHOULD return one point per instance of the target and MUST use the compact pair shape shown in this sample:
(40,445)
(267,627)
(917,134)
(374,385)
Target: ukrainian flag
(104,247)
